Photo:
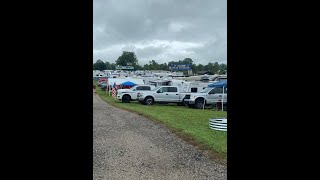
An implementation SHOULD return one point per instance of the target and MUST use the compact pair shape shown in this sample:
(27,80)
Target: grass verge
(189,124)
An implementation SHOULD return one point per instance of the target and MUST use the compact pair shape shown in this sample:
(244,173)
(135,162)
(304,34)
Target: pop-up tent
(127,84)
(223,84)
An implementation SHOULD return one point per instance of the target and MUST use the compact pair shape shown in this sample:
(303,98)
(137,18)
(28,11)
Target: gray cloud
(163,30)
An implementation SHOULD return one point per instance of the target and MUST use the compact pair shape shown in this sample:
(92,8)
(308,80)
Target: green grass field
(190,124)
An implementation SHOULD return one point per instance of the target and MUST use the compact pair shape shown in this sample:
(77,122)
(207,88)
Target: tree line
(130,59)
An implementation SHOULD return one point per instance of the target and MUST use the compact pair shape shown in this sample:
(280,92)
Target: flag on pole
(114,91)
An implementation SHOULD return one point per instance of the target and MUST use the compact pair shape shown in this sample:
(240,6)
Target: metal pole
(204,101)
(222,97)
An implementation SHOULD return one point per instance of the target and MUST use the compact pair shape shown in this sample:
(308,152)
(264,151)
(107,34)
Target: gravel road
(129,146)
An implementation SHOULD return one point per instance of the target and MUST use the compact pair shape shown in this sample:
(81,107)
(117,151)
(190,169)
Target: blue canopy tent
(220,84)
(128,83)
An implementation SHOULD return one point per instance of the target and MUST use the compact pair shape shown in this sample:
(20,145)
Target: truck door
(215,95)
(173,94)
(161,94)
(210,96)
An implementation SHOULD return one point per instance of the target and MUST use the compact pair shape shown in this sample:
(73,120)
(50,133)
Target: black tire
(199,103)
(181,103)
(185,103)
(148,101)
(126,99)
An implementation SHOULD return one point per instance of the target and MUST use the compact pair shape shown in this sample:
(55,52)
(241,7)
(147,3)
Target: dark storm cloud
(162,30)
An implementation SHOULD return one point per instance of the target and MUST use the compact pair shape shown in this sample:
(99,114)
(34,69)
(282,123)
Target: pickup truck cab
(162,94)
(127,95)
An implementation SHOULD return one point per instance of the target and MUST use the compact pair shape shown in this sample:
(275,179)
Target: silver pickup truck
(162,94)
(208,96)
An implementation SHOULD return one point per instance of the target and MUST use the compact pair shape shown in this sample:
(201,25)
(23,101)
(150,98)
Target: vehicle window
(216,90)
(205,90)
(133,88)
(163,89)
(172,89)
(146,88)
(212,91)
(139,88)
(194,89)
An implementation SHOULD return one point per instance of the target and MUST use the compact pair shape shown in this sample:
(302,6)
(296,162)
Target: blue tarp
(128,83)
(219,84)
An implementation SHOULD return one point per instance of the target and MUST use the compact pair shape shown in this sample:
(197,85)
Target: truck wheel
(148,101)
(199,103)
(126,99)
(181,103)
(185,103)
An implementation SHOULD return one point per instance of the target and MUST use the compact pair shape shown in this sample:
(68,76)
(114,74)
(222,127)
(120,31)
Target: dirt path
(129,146)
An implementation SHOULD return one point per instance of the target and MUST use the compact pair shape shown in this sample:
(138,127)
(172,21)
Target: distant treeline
(130,59)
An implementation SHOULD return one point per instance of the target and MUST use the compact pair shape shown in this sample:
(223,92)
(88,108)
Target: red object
(102,80)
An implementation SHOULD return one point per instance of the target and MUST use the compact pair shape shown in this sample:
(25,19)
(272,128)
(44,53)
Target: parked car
(103,85)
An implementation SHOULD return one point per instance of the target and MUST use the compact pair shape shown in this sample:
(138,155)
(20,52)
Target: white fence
(218,124)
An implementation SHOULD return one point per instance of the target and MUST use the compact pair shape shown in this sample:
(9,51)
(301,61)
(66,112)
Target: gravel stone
(129,146)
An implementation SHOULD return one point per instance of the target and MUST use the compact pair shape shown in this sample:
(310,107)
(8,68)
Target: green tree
(216,68)
(127,59)
(99,65)
(153,65)
(138,67)
(194,68)
(223,68)
(163,66)
(112,66)
(146,67)
(107,65)
(209,67)
(200,67)
(187,61)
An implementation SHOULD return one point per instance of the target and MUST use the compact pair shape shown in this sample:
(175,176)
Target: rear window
(143,88)
(146,88)
(172,89)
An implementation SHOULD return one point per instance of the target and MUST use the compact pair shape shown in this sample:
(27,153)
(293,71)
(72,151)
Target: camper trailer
(194,87)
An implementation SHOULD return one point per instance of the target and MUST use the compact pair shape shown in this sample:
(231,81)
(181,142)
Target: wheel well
(148,97)
(200,98)
(127,95)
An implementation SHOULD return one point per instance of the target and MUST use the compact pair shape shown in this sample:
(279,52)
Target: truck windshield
(206,90)
(133,88)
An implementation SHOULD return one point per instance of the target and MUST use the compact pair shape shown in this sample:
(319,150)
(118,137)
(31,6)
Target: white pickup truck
(207,96)
(127,95)
(162,94)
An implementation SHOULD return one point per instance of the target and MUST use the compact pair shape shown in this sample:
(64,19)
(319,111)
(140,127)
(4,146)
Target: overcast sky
(161,30)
